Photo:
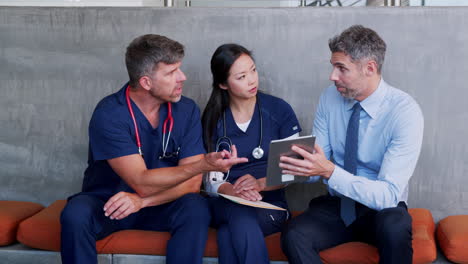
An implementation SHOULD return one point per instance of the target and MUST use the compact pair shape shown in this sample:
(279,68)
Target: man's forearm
(132,169)
(165,179)
(150,181)
(191,185)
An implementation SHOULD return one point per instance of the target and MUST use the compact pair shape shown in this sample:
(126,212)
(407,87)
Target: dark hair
(221,62)
(360,43)
(145,52)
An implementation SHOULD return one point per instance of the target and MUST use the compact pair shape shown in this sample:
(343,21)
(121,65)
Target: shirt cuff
(340,181)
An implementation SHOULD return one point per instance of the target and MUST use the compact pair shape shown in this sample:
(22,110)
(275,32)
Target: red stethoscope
(169,119)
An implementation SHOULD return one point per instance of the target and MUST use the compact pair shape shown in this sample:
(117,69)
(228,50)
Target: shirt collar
(372,103)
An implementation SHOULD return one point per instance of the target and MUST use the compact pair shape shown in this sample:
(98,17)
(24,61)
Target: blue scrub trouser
(321,227)
(83,222)
(241,230)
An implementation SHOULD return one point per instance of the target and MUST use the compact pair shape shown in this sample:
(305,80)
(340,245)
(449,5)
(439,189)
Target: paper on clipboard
(258,204)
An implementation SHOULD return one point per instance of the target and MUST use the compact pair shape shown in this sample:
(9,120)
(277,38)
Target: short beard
(350,94)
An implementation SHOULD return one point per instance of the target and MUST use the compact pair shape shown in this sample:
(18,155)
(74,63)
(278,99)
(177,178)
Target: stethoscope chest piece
(257,152)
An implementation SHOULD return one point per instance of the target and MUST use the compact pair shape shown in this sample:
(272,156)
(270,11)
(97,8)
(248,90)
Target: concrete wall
(56,63)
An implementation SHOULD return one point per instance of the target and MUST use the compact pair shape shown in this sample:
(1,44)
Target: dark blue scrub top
(279,121)
(112,135)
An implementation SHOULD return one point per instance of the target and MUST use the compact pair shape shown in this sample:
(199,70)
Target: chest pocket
(171,153)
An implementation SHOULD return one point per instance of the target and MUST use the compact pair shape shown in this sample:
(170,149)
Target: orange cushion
(43,231)
(11,214)
(424,247)
(452,234)
(146,242)
(273,243)
(350,253)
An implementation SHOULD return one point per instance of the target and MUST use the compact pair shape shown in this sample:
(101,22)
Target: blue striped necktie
(348,209)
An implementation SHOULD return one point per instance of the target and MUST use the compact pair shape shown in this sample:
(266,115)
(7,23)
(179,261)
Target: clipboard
(258,204)
(282,147)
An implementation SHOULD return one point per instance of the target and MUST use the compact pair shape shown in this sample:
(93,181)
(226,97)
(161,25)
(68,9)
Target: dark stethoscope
(257,152)
(169,119)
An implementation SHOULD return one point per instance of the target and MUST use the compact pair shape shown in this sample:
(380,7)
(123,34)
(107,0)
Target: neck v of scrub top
(162,114)
(155,131)
(231,122)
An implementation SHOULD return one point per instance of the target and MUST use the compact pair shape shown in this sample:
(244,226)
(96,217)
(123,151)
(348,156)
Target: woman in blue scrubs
(237,113)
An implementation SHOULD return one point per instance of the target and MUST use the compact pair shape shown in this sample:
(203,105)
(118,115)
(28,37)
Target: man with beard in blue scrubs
(146,160)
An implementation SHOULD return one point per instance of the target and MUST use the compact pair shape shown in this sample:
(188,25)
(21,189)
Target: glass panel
(270,3)
(438,3)
(82,3)
(336,3)
(235,3)
(240,3)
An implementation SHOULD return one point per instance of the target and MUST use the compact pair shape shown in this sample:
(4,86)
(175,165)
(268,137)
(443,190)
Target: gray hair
(360,43)
(145,52)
